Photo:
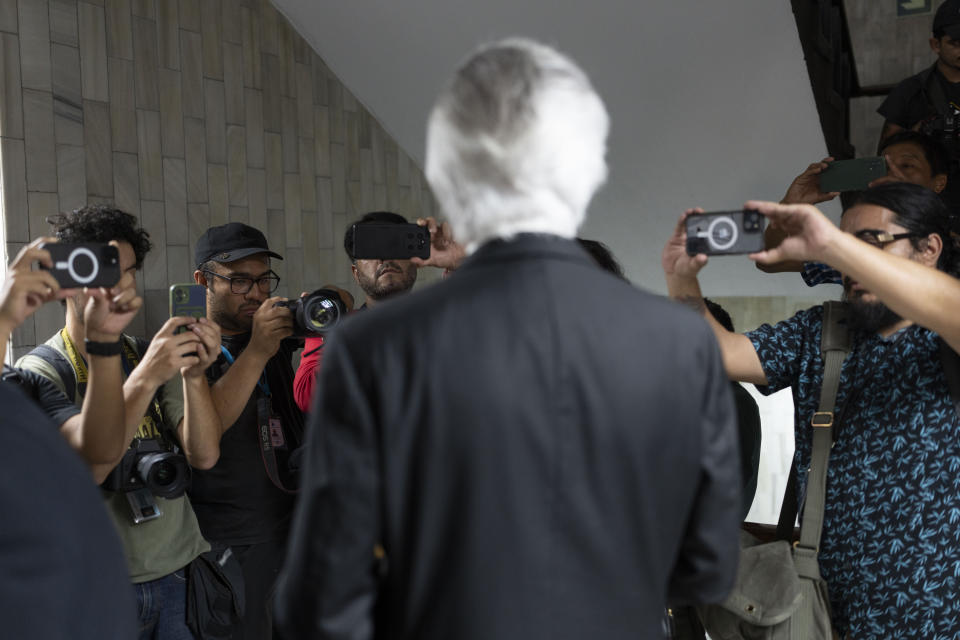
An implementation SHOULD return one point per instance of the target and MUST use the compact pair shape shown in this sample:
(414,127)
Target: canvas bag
(779,593)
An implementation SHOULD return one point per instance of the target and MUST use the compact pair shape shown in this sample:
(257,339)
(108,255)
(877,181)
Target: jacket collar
(527,246)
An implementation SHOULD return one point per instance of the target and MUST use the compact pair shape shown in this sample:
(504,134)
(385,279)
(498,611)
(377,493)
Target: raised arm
(201,428)
(739,357)
(271,324)
(98,432)
(25,290)
(913,288)
(167,353)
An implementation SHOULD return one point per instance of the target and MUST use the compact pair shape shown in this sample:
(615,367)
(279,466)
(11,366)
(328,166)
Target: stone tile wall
(188,114)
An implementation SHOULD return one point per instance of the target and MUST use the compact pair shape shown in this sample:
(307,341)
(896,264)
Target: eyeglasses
(242,284)
(880,239)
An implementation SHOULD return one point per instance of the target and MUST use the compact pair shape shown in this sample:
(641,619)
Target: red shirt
(306,377)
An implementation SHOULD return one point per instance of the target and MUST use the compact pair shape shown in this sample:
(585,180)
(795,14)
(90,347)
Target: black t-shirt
(58,407)
(910,103)
(62,571)
(236,502)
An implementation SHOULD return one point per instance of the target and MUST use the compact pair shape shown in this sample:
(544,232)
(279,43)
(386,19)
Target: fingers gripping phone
(373,241)
(188,300)
(91,264)
(852,175)
(724,232)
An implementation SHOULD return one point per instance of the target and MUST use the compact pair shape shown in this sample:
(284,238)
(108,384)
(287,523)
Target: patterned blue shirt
(890,551)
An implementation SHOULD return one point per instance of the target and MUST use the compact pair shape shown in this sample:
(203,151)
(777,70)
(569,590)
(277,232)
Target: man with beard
(245,501)
(379,280)
(890,548)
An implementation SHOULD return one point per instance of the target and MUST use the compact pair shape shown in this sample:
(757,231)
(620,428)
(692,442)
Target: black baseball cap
(230,242)
(947,19)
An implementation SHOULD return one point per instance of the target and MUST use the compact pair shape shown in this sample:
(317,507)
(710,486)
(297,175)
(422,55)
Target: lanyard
(262,382)
(128,358)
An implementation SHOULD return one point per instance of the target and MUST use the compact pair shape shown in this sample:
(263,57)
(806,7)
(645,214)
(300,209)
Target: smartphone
(188,300)
(852,175)
(725,232)
(90,264)
(374,241)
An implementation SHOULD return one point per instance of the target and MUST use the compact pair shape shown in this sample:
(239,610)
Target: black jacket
(539,449)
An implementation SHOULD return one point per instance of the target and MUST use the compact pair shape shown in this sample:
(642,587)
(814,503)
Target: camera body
(316,312)
(90,264)
(150,465)
(725,232)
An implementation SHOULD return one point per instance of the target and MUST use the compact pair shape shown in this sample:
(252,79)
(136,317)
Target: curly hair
(102,223)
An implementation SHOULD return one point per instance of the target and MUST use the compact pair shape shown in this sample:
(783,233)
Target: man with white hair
(487,459)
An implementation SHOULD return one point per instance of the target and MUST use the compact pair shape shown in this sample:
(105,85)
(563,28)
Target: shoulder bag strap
(950,361)
(835,345)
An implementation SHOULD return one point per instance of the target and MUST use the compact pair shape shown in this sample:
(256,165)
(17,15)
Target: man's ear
(200,277)
(939,182)
(353,270)
(931,249)
(935,45)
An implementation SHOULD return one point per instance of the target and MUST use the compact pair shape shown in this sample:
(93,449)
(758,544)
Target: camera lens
(165,474)
(751,221)
(320,313)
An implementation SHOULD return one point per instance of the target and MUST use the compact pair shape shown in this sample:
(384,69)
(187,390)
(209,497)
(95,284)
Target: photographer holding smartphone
(164,411)
(894,446)
(380,236)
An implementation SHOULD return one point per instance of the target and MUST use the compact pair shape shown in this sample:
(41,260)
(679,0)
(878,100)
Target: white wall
(710,102)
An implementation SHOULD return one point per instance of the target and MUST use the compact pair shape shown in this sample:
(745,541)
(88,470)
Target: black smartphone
(725,232)
(90,264)
(375,241)
(852,175)
(188,300)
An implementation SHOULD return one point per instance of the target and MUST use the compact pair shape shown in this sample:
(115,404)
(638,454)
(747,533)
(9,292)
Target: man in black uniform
(929,102)
(246,500)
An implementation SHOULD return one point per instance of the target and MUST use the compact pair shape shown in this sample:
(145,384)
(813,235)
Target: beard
(379,290)
(871,317)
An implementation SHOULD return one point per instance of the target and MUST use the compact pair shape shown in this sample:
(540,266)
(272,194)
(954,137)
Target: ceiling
(710,103)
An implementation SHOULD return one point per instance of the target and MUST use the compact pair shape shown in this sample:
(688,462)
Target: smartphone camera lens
(751,221)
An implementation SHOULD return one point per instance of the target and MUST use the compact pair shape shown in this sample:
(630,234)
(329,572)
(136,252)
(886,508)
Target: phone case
(724,232)
(84,265)
(373,241)
(852,175)
(188,300)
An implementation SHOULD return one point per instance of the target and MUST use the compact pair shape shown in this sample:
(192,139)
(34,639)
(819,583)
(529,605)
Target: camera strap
(269,428)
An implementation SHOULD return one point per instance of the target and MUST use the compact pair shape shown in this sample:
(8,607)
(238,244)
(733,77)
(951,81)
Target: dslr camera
(150,465)
(725,232)
(316,312)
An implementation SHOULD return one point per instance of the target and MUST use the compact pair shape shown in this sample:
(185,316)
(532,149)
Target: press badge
(276,433)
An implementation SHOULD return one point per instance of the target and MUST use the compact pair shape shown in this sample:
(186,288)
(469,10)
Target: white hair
(516,144)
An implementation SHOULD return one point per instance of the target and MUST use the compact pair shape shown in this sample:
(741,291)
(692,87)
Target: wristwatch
(103,348)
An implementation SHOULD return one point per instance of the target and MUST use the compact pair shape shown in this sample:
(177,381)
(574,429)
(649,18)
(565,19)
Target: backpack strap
(61,365)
